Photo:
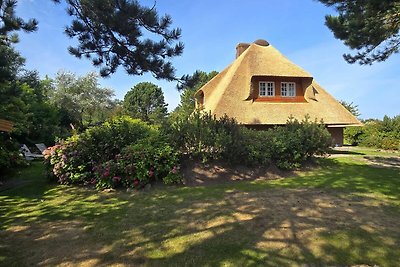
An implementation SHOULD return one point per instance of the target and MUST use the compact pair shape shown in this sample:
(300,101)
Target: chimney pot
(261,42)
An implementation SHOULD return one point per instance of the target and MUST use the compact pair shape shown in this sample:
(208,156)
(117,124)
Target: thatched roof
(6,126)
(230,92)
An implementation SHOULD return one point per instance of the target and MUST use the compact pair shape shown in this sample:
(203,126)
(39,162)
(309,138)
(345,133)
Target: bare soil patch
(197,174)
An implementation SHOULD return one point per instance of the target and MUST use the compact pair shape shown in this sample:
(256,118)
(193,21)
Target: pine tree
(369,26)
(10,23)
(114,32)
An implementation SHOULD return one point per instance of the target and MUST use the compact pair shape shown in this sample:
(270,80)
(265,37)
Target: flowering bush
(123,152)
(138,165)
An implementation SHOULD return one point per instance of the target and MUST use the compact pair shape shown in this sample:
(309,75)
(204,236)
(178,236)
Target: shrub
(138,165)
(298,141)
(10,156)
(353,135)
(206,137)
(254,148)
(383,134)
(121,152)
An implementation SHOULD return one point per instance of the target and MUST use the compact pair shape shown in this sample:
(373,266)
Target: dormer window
(267,88)
(288,89)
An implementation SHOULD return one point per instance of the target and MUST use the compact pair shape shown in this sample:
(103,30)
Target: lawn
(345,212)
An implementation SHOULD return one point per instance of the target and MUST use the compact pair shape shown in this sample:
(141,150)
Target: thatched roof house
(262,88)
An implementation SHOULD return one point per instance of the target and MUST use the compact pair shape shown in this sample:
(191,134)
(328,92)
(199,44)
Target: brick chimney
(240,48)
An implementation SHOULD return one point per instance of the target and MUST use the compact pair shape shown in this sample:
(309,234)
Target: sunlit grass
(341,213)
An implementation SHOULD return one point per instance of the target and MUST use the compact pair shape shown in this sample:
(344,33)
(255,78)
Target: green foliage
(383,134)
(353,108)
(121,152)
(191,83)
(145,101)
(9,22)
(11,63)
(24,102)
(298,141)
(110,33)
(81,100)
(205,137)
(256,147)
(10,157)
(353,135)
(369,26)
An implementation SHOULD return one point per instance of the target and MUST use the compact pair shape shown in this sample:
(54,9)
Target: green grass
(342,213)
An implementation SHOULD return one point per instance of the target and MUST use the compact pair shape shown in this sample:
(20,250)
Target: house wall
(337,135)
(336,132)
(259,127)
(277,80)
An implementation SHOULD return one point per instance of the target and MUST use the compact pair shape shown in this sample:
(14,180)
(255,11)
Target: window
(267,89)
(288,89)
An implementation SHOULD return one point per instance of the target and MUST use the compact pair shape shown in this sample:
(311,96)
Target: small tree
(146,102)
(81,100)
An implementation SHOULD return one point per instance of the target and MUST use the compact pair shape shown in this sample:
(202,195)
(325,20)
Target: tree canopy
(369,26)
(191,84)
(114,32)
(145,101)
(81,100)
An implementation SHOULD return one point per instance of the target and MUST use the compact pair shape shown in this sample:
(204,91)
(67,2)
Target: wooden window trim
(266,88)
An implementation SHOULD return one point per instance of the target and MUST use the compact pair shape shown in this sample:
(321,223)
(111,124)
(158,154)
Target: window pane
(262,88)
(292,89)
(283,89)
(270,89)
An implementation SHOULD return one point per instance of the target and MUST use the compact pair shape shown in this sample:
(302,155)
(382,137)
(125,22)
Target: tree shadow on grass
(349,177)
(344,152)
(388,162)
(318,220)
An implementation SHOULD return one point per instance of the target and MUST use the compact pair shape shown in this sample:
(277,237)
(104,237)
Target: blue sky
(210,32)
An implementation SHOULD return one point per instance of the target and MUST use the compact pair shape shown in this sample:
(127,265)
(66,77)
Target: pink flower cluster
(175,169)
(150,173)
(106,172)
(48,152)
(116,179)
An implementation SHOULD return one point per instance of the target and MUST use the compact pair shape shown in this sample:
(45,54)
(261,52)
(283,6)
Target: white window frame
(288,89)
(268,85)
